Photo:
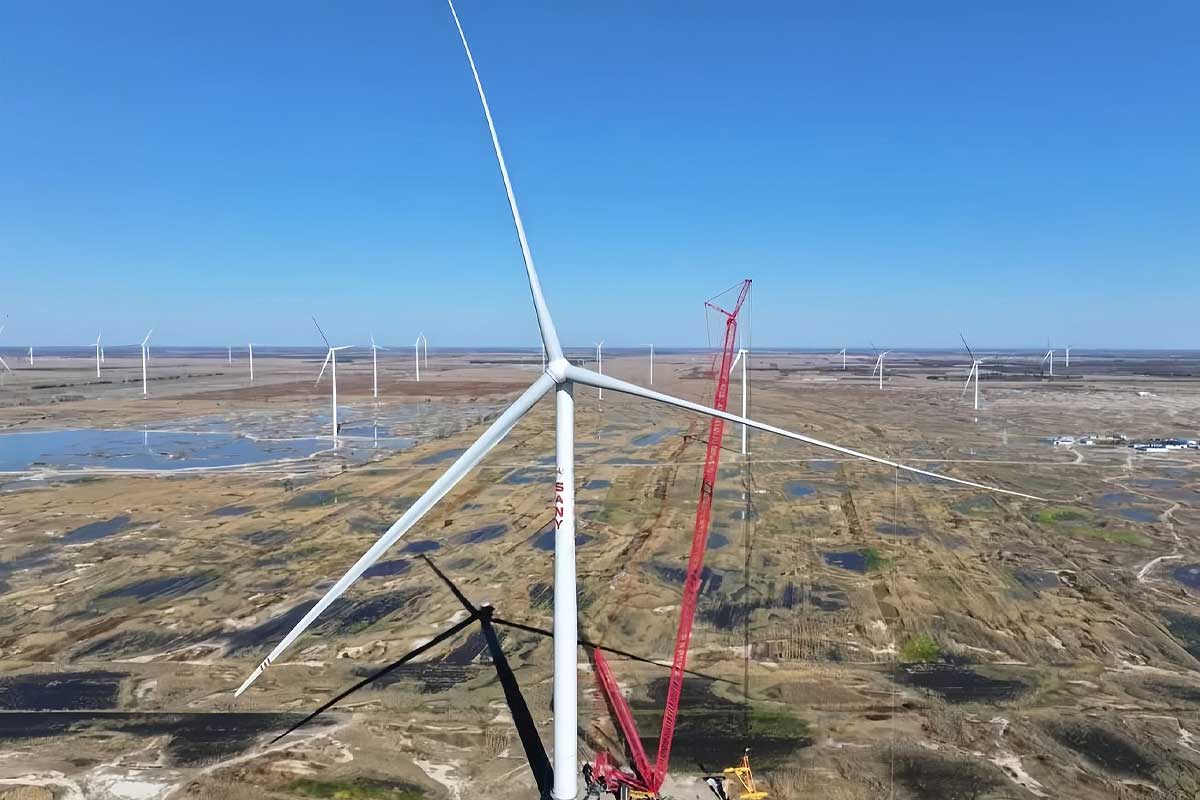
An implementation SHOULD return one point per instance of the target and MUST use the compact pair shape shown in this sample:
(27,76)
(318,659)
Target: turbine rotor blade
(964,341)
(545,322)
(5,364)
(147,337)
(967,385)
(441,637)
(440,488)
(328,355)
(589,378)
(323,337)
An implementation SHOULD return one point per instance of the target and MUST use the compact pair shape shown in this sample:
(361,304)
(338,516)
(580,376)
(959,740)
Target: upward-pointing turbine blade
(462,465)
(545,323)
(964,341)
(323,337)
(589,378)
(967,385)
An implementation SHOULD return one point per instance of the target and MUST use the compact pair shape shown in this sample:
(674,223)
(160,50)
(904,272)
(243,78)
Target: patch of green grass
(1115,536)
(774,724)
(1052,514)
(875,560)
(357,789)
(920,649)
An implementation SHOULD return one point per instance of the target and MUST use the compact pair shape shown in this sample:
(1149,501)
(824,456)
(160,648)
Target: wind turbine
(330,361)
(743,355)
(144,349)
(1068,348)
(879,366)
(375,367)
(31,355)
(230,356)
(99,357)
(417,353)
(1049,357)
(4,363)
(561,376)
(600,367)
(651,364)
(843,355)
(974,372)
(250,347)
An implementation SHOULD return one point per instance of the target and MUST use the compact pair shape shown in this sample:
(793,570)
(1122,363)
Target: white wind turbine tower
(330,361)
(250,348)
(417,353)
(743,355)
(600,367)
(99,357)
(974,372)
(145,350)
(843,355)
(561,376)
(651,364)
(230,362)
(1068,349)
(1049,357)
(31,355)
(879,366)
(375,367)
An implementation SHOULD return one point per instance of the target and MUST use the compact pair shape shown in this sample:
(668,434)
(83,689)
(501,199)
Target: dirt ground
(867,634)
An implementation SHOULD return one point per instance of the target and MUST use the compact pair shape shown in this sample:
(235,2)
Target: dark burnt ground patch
(1111,751)
(344,616)
(273,538)
(161,588)
(931,775)
(959,684)
(61,691)
(129,644)
(94,531)
(711,729)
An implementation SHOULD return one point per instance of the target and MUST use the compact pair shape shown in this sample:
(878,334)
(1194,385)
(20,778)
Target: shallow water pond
(141,450)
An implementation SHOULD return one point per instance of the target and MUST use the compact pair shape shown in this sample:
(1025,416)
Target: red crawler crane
(647,779)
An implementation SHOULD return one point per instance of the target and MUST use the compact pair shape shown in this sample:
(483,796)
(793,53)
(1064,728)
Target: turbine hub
(557,369)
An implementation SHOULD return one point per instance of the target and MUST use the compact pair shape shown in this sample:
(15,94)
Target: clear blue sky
(884,171)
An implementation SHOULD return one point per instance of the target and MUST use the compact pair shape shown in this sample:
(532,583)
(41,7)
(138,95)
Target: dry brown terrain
(1059,639)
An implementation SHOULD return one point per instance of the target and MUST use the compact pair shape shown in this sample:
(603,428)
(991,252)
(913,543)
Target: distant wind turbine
(145,351)
(1068,356)
(99,357)
(843,355)
(330,361)
(417,353)
(651,364)
(879,366)
(4,363)
(231,355)
(1049,357)
(375,367)
(31,356)
(600,367)
(250,348)
(973,372)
